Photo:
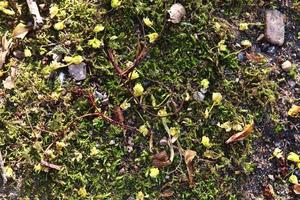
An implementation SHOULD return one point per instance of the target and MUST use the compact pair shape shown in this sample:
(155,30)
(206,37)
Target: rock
(271,50)
(274,27)
(286,66)
(241,56)
(177,12)
(78,72)
(198,96)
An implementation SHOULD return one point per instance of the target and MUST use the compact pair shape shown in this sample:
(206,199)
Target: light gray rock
(274,27)
(78,72)
(198,96)
(286,66)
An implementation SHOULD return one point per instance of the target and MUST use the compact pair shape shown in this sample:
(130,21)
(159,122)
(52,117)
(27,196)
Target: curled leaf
(20,31)
(4,49)
(241,135)
(189,155)
(161,160)
(296,188)
(167,193)
(294,111)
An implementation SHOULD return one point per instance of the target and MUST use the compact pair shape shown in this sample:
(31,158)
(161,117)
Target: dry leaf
(255,57)
(167,193)
(50,165)
(294,111)
(4,50)
(188,158)
(161,160)
(296,188)
(20,31)
(9,83)
(118,114)
(269,191)
(241,135)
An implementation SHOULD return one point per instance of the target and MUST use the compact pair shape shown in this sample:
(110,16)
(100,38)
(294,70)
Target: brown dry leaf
(189,155)
(294,111)
(269,191)
(241,135)
(255,57)
(296,188)
(118,114)
(4,50)
(167,193)
(161,160)
(50,165)
(20,31)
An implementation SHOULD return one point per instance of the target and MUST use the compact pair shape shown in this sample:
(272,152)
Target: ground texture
(137,99)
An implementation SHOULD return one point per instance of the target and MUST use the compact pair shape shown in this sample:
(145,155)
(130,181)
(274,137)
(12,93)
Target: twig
(4,177)
(34,10)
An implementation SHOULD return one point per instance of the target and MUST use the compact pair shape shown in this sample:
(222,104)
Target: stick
(34,10)
(3,169)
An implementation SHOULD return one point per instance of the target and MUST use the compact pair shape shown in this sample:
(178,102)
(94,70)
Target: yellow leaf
(98,28)
(243,26)
(246,43)
(241,135)
(293,157)
(205,141)
(148,22)
(8,11)
(294,111)
(139,196)
(138,90)
(27,53)
(20,31)
(94,151)
(153,37)
(9,172)
(115,3)
(293,179)
(205,83)
(277,153)
(174,131)
(144,130)
(59,26)
(82,192)
(133,75)
(217,97)
(53,11)
(154,172)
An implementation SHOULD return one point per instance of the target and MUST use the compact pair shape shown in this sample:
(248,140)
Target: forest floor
(137,99)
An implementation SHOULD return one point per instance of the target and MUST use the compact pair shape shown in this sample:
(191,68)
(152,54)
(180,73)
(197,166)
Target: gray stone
(274,27)
(198,96)
(78,72)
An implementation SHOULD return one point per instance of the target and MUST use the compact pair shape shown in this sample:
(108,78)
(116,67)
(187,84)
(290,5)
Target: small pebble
(286,66)
(241,56)
(271,50)
(292,83)
(78,72)
(198,96)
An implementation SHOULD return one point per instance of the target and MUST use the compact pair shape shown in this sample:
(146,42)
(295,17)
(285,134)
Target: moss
(39,110)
